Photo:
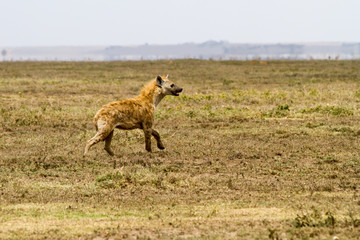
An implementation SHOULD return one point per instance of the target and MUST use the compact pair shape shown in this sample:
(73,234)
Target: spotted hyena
(133,113)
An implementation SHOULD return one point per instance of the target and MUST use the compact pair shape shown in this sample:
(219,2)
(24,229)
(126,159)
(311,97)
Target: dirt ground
(254,150)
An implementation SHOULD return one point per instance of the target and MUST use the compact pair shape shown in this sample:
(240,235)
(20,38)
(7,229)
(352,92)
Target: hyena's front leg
(147,133)
(156,135)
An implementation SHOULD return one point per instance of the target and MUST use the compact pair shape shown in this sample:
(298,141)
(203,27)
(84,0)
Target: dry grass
(252,151)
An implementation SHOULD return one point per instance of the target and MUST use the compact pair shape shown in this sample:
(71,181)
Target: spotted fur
(133,113)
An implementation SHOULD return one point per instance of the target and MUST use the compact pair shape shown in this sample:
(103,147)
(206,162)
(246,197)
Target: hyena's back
(126,114)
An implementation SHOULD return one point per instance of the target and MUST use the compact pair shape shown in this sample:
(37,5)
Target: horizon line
(175,44)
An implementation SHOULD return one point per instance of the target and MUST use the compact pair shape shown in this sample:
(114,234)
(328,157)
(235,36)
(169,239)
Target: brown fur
(137,112)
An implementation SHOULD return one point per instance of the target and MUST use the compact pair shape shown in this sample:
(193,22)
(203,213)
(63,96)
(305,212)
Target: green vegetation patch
(278,112)
(329,110)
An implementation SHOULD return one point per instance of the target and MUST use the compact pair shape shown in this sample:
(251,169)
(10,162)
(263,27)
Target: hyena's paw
(109,151)
(161,146)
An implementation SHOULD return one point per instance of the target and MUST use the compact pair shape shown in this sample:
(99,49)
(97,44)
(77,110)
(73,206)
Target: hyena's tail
(95,123)
(95,120)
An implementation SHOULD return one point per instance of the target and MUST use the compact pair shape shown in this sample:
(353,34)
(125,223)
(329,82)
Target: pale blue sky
(133,22)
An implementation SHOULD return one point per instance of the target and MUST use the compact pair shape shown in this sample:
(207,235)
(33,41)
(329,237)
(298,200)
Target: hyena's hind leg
(104,130)
(156,135)
(108,142)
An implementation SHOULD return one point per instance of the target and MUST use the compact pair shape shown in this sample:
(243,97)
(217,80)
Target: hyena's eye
(172,85)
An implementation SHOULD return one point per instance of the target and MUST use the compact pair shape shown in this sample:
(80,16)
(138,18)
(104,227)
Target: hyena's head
(167,86)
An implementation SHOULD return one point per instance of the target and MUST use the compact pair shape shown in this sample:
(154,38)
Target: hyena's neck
(157,98)
(152,93)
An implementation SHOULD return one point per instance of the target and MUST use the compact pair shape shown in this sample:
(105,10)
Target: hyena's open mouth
(176,92)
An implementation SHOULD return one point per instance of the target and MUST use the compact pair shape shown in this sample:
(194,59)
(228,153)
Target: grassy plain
(254,150)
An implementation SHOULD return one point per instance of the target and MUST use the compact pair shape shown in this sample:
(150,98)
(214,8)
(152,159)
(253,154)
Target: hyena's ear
(159,81)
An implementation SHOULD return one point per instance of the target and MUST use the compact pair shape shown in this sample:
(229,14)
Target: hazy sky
(133,22)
